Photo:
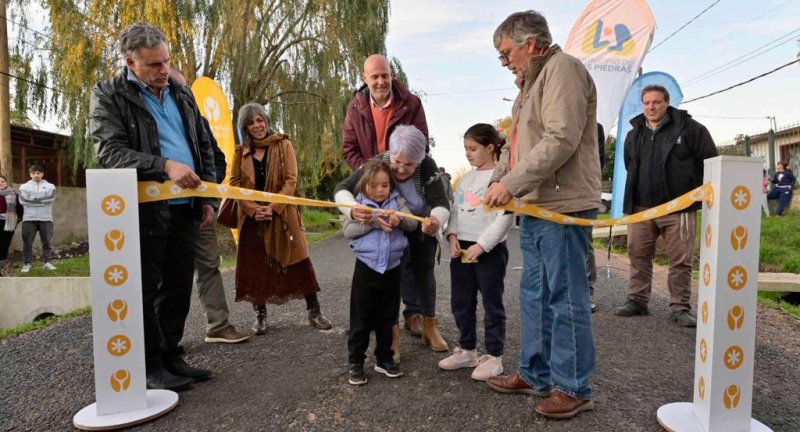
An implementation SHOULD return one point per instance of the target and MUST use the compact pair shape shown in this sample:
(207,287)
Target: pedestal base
(679,417)
(159,402)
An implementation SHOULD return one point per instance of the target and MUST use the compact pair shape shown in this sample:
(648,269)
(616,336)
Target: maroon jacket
(359,128)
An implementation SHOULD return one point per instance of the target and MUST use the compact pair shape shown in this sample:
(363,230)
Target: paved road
(293,378)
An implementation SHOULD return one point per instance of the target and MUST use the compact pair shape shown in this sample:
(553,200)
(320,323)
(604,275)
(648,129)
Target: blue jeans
(557,343)
(782,194)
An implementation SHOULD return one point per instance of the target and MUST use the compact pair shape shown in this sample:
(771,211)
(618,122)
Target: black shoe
(177,366)
(162,379)
(683,319)
(631,308)
(356,374)
(389,368)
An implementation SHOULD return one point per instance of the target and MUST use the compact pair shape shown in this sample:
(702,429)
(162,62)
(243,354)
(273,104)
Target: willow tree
(300,57)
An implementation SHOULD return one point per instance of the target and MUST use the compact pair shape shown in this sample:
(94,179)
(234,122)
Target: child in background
(375,293)
(37,197)
(476,235)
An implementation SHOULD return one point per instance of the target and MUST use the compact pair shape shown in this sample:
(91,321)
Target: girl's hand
(394,220)
(361,214)
(474,252)
(455,248)
(383,222)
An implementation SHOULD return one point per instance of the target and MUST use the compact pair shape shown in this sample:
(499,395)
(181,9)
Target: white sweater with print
(468,220)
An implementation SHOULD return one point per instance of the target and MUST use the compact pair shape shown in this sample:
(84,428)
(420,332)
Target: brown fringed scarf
(277,237)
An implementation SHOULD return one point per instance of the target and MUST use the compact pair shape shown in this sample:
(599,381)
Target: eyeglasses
(503,57)
(406,166)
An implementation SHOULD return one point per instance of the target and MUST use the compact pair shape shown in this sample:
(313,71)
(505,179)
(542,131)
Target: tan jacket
(557,167)
(244,176)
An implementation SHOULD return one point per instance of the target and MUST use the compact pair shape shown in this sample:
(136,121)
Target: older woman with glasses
(419,181)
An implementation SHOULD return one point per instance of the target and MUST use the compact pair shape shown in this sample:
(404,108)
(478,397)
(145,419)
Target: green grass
(77,266)
(40,324)
(775,301)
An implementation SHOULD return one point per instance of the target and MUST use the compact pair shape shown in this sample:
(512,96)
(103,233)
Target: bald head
(178,76)
(378,77)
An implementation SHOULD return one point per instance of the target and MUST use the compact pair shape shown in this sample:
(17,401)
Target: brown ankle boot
(396,343)
(431,335)
(260,326)
(316,319)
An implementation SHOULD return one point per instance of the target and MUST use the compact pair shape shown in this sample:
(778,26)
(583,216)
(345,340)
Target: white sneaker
(49,266)
(461,358)
(488,366)
(25,268)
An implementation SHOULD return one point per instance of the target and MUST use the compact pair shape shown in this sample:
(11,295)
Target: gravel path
(293,378)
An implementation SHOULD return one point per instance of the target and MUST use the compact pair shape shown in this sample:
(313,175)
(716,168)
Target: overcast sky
(445,46)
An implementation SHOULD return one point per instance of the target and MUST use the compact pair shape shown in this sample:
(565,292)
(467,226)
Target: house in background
(29,146)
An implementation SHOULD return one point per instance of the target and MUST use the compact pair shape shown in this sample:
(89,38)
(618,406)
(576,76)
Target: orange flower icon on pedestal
(736,318)
(739,238)
(703,350)
(734,357)
(118,345)
(701,388)
(708,236)
(115,275)
(740,197)
(117,310)
(704,312)
(737,278)
(706,274)
(731,396)
(114,240)
(120,380)
(113,205)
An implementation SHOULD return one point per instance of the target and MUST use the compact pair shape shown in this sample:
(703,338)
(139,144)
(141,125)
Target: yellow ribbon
(154,191)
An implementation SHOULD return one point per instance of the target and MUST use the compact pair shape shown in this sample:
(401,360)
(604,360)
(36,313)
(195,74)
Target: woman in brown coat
(272,259)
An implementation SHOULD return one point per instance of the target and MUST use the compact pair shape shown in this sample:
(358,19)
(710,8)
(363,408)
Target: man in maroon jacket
(380,105)
(376,108)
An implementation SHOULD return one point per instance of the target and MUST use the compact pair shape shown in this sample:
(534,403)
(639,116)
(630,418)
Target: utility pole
(5,101)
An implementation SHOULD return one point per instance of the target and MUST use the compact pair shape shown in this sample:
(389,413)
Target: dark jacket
(125,136)
(220,166)
(682,143)
(359,128)
(784,179)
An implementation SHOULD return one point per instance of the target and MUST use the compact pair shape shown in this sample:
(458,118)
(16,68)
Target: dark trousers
(374,301)
(484,277)
(782,194)
(29,230)
(167,270)
(418,280)
(5,241)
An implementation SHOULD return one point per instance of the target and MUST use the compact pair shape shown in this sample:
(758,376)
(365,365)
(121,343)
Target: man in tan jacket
(551,162)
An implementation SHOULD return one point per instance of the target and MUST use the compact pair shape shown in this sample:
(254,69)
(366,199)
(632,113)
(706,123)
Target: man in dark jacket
(376,109)
(379,106)
(664,154)
(143,119)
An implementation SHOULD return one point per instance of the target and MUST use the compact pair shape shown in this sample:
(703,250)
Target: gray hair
(139,35)
(246,113)
(520,26)
(658,88)
(408,141)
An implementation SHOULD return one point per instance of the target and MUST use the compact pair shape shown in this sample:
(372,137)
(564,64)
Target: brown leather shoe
(317,320)
(563,406)
(396,343)
(227,334)
(514,383)
(413,323)
(431,335)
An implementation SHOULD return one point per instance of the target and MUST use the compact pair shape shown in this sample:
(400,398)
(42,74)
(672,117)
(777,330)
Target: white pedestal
(679,417)
(159,402)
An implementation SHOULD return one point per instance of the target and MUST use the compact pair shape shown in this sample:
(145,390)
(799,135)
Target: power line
(684,26)
(735,62)
(744,82)
(30,82)
(23,26)
(470,91)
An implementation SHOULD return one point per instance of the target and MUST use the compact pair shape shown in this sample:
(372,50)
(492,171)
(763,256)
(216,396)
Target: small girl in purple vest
(375,293)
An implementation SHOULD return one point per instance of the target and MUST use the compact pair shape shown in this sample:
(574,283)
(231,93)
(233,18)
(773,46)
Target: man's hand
(208,216)
(181,174)
(497,195)
(432,227)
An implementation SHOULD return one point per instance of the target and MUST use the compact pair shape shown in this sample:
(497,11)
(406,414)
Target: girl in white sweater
(478,259)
